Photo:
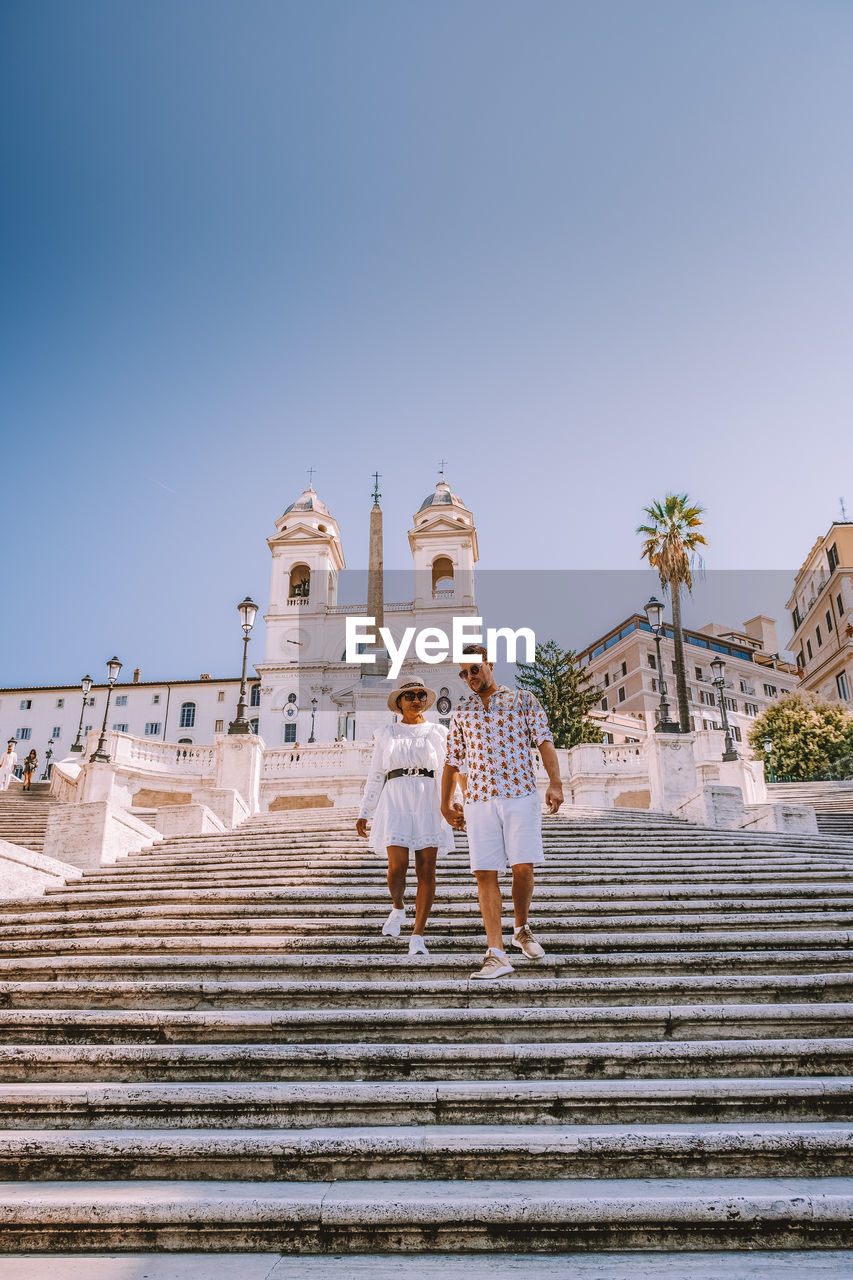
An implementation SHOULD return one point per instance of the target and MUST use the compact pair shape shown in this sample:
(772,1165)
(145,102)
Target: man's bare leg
(491,907)
(522,891)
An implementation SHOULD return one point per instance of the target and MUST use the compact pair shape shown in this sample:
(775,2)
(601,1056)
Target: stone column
(672,770)
(239,764)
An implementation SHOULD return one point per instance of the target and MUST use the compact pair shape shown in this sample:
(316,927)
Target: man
(491,738)
(8,765)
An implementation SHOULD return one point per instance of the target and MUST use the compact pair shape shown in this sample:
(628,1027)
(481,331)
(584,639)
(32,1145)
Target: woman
(30,765)
(402,794)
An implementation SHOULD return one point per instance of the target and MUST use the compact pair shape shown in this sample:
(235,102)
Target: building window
(56,731)
(744,687)
(843,686)
(828,621)
(121,700)
(622,693)
(254,725)
(652,661)
(832,558)
(26,703)
(809,649)
(818,637)
(698,673)
(710,724)
(750,709)
(795,618)
(731,705)
(255,699)
(60,702)
(603,704)
(219,726)
(220,697)
(654,686)
(152,728)
(840,604)
(90,702)
(185,742)
(187,720)
(155,699)
(770,691)
(709,698)
(23,735)
(737,733)
(120,728)
(624,668)
(606,679)
(289,733)
(801,661)
(87,728)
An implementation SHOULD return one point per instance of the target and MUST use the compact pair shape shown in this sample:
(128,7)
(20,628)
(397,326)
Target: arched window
(254,726)
(255,699)
(300,581)
(185,742)
(442,575)
(187,715)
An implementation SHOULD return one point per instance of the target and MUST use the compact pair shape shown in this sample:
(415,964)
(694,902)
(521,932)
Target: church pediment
(301,533)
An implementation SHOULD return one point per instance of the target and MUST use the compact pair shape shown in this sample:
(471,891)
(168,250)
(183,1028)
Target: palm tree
(670,541)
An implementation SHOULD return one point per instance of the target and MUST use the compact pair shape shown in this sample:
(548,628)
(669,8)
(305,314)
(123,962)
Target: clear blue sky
(586,251)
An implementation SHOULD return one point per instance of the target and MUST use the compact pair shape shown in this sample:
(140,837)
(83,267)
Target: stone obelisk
(375,583)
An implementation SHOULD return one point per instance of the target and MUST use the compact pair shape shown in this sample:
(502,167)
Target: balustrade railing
(344,758)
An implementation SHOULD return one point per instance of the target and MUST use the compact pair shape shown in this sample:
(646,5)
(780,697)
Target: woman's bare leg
(425,867)
(398,865)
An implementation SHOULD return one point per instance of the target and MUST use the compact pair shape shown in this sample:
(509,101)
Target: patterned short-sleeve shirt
(492,746)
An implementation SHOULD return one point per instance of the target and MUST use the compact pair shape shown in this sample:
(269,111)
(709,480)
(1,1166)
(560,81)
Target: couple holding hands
(409,796)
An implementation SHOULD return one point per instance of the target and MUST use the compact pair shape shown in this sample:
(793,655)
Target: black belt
(410,773)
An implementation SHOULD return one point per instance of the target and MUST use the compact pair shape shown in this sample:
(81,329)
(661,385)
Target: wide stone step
(517,1025)
(498,1216)
(288,1105)
(239,938)
(796,1149)
(627,1060)
(521,989)
(369,967)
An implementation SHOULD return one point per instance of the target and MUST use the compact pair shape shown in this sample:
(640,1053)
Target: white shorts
(504,831)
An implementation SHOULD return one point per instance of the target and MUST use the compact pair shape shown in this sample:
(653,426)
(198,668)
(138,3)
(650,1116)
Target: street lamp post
(313,714)
(85,685)
(654,613)
(47,756)
(718,667)
(768,747)
(247,610)
(113,668)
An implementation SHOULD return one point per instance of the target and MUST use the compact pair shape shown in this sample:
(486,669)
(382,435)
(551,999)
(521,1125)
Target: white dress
(406,811)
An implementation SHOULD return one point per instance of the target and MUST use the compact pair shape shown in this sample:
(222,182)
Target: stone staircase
(209,1046)
(832,801)
(23,815)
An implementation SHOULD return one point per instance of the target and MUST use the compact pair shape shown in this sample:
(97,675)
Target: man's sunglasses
(416,694)
(471,671)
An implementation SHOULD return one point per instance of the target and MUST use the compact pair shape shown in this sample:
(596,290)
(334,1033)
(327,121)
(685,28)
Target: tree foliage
(566,692)
(670,541)
(808,736)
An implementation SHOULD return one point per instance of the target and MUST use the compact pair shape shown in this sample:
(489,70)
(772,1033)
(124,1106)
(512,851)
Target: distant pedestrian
(492,737)
(31,763)
(402,798)
(8,765)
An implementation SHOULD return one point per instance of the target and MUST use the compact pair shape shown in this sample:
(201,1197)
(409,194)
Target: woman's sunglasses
(418,694)
(471,671)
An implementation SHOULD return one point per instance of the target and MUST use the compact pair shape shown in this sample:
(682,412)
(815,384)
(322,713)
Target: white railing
(296,602)
(595,757)
(347,759)
(153,756)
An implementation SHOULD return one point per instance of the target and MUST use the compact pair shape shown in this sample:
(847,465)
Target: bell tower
(307,556)
(443,542)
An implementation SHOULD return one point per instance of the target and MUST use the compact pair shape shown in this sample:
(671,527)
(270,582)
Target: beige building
(821,608)
(623,664)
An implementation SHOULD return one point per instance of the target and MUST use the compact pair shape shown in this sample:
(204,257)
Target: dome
(441,497)
(308,501)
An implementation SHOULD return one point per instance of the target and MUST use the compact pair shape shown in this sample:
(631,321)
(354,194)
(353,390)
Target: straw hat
(410,682)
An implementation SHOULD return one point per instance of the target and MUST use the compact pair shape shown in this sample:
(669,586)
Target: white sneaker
(392,926)
(417,946)
(493,966)
(524,939)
